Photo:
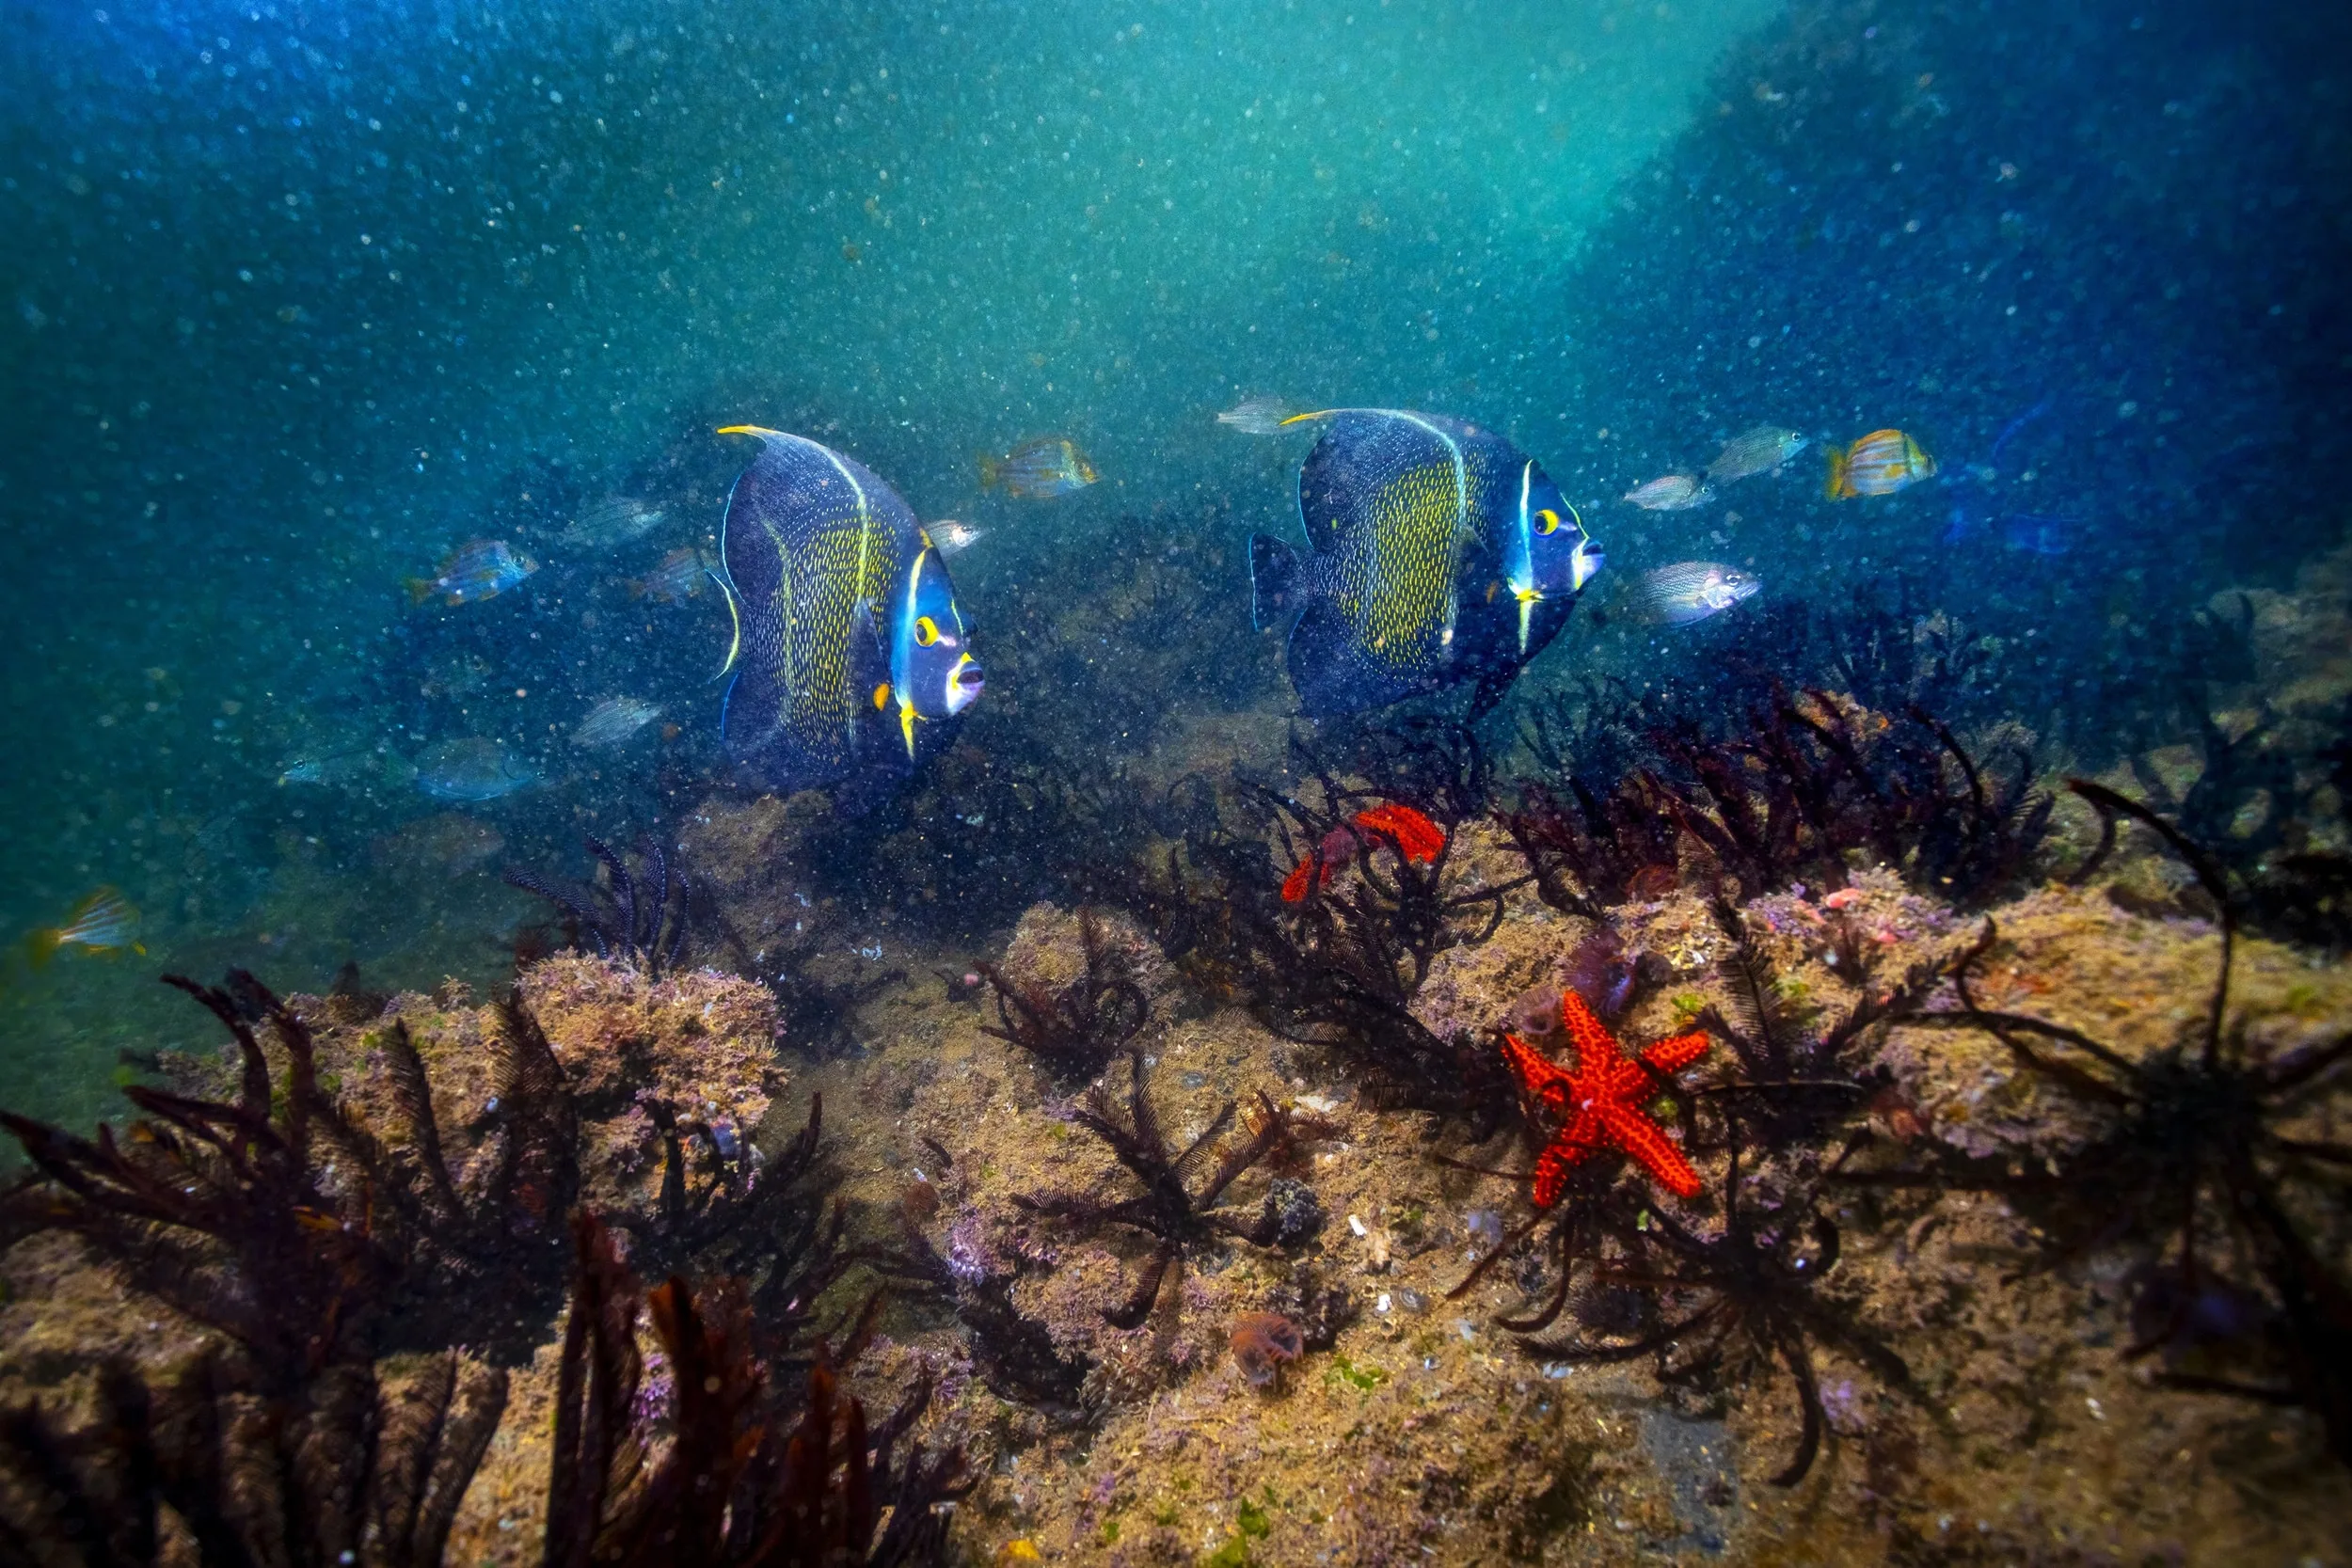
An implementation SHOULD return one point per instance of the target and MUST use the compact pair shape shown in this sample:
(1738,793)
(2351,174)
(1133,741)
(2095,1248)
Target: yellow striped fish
(1437,554)
(1879,464)
(820,558)
(104,922)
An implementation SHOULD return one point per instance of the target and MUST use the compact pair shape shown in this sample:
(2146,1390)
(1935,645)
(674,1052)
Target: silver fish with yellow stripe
(850,660)
(1437,554)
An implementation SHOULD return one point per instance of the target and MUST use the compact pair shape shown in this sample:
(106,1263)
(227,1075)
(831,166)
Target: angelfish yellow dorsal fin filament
(760,430)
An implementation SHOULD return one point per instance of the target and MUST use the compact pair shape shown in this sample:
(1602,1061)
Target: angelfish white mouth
(963,685)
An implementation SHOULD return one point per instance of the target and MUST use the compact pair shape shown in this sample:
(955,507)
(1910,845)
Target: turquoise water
(299,297)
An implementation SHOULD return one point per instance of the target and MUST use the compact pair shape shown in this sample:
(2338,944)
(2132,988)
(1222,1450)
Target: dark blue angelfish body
(822,558)
(1439,554)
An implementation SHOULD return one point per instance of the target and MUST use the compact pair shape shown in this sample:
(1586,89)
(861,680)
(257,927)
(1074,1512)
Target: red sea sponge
(1262,1342)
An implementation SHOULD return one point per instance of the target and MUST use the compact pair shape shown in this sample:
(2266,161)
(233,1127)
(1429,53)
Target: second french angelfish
(1438,554)
(852,660)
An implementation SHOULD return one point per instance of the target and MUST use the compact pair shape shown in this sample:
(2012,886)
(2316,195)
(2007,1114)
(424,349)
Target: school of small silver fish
(476,570)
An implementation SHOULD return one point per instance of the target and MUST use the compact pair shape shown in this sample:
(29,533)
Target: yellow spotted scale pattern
(810,536)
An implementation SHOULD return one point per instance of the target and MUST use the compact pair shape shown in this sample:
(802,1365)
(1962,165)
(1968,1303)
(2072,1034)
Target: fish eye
(926,631)
(1547,521)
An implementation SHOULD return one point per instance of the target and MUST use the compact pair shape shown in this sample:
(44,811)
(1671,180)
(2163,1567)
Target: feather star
(1600,1103)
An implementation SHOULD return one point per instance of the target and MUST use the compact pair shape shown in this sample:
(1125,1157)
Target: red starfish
(1600,1103)
(1416,839)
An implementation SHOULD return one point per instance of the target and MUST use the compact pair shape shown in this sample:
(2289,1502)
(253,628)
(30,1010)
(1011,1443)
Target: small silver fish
(1670,492)
(472,769)
(347,770)
(1753,452)
(679,576)
(478,569)
(1256,415)
(952,536)
(613,721)
(615,520)
(1689,592)
(1039,469)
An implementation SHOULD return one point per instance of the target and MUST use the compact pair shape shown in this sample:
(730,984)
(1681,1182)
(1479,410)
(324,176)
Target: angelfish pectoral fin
(906,726)
(1529,599)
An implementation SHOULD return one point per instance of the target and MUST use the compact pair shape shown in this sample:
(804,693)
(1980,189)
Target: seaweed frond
(1078,1030)
(643,918)
(1168,1207)
(320,1473)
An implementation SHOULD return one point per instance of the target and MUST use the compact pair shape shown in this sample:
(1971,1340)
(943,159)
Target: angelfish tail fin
(1275,573)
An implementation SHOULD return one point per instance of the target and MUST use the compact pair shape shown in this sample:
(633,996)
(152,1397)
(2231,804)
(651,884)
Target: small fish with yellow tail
(1671,493)
(104,922)
(1759,449)
(1038,469)
(479,569)
(1879,464)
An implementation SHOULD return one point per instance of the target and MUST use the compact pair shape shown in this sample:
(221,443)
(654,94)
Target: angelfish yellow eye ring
(926,631)
(1547,521)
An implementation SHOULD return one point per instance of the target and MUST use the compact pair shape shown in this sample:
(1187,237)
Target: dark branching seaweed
(1801,1069)
(2256,798)
(754,1472)
(344,1471)
(283,1222)
(1076,1031)
(1014,1354)
(1815,780)
(1711,1309)
(1334,960)
(2199,1172)
(1167,1210)
(1805,782)
(724,1210)
(1594,847)
(646,923)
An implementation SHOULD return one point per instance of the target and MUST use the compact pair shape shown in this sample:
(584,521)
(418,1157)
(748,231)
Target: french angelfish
(1438,554)
(821,561)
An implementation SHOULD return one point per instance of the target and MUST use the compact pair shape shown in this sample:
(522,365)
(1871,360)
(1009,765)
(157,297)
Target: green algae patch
(1365,1379)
